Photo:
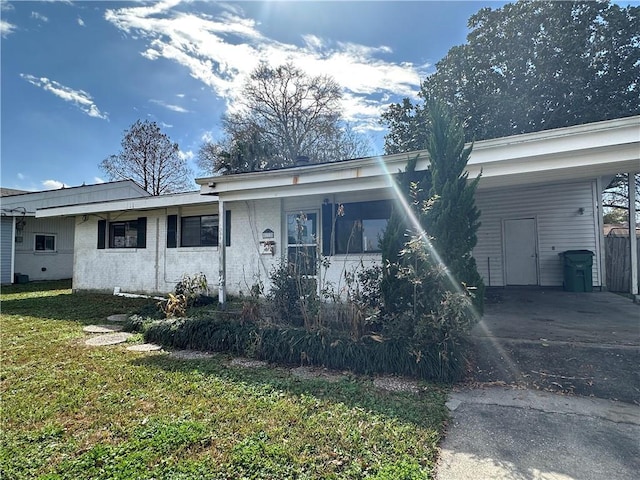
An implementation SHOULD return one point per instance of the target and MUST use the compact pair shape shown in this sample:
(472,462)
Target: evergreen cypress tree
(453,221)
(396,291)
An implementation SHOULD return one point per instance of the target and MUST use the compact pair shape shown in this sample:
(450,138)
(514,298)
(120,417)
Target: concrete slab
(503,433)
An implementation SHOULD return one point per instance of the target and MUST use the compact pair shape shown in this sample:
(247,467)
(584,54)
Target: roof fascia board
(142,203)
(528,152)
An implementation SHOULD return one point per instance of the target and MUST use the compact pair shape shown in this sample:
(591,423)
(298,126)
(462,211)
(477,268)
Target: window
(45,243)
(199,231)
(129,234)
(123,234)
(361,226)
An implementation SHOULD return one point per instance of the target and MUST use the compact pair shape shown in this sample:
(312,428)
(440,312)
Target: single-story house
(42,248)
(540,194)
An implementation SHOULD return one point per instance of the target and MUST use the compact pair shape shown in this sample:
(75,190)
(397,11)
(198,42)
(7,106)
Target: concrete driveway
(554,392)
(581,343)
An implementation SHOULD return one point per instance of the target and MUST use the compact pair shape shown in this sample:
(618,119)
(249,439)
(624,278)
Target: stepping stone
(144,347)
(102,328)
(396,384)
(120,317)
(317,372)
(108,339)
(190,355)
(247,363)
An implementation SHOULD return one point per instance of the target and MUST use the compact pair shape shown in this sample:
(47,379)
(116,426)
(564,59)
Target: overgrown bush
(195,288)
(294,296)
(297,346)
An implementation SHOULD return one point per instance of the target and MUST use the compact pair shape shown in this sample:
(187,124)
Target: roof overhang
(564,154)
(132,204)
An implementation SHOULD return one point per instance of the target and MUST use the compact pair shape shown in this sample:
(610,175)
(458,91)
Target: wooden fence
(618,258)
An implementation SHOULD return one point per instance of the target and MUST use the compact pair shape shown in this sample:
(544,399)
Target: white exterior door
(521,259)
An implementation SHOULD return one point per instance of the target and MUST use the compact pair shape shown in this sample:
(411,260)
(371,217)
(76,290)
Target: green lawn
(72,411)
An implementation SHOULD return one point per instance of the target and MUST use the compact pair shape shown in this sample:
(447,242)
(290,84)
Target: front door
(302,242)
(521,258)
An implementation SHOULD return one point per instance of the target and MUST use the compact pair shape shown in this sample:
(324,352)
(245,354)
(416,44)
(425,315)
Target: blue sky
(76,75)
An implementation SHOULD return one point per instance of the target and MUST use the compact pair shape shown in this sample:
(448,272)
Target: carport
(549,339)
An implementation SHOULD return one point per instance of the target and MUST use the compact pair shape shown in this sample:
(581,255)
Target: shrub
(297,346)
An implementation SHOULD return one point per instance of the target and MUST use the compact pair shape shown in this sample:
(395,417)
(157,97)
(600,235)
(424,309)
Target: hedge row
(295,346)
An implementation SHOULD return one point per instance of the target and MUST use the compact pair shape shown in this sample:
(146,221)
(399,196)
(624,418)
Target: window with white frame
(45,242)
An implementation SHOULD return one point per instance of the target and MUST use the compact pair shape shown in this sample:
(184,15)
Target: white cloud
(20,176)
(54,184)
(174,108)
(39,16)
(79,98)
(188,155)
(207,137)
(98,180)
(80,22)
(6,28)
(221,51)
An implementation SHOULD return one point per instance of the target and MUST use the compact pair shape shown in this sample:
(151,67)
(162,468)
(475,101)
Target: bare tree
(149,158)
(615,198)
(284,113)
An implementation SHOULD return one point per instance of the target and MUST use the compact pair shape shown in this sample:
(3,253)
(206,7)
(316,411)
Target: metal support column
(633,241)
(222,264)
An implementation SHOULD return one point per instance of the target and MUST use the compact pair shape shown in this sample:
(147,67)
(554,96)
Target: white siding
(46,265)
(560,227)
(6,247)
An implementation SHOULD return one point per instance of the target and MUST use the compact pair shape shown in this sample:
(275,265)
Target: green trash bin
(577,270)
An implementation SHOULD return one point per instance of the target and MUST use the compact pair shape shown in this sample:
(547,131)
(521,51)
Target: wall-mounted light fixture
(268,234)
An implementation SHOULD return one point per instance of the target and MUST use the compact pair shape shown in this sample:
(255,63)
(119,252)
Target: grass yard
(75,412)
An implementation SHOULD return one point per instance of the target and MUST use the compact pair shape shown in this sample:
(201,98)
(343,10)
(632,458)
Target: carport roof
(559,155)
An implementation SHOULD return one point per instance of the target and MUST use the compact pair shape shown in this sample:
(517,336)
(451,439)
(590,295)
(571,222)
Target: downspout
(157,262)
(633,240)
(222,270)
(13,247)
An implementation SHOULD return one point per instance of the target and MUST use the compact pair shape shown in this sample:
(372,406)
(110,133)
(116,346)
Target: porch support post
(599,217)
(222,266)
(633,241)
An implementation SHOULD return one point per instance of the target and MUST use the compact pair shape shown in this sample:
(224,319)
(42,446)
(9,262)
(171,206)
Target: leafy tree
(151,159)
(531,66)
(283,114)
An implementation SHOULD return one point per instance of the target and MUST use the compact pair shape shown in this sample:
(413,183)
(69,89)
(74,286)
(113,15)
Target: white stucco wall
(154,269)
